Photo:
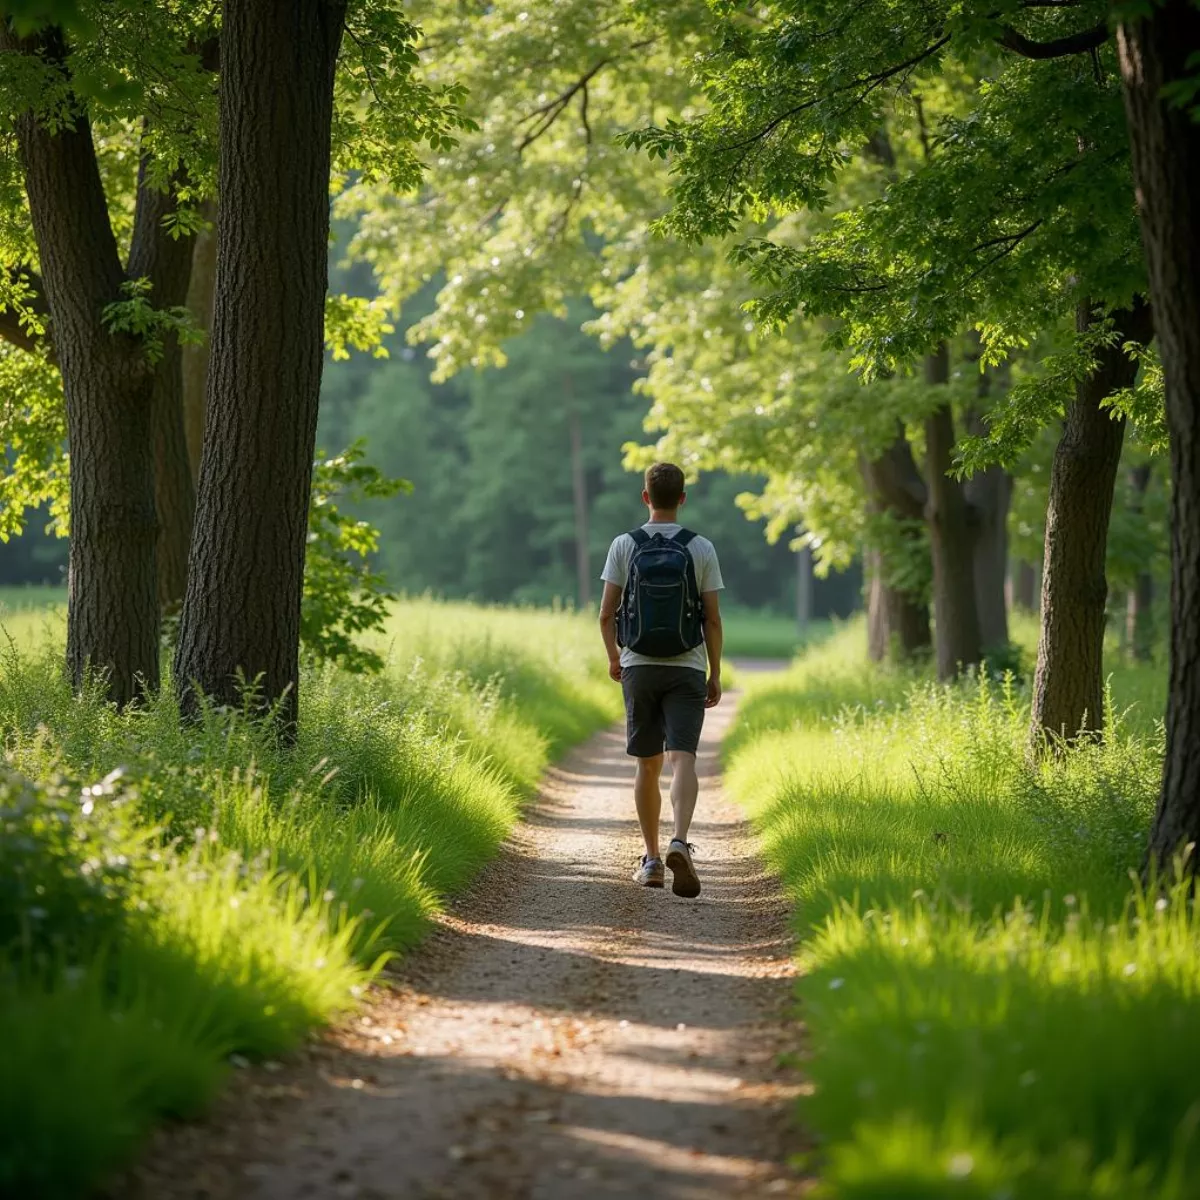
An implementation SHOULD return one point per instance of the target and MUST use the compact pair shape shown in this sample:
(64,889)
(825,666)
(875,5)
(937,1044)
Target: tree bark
(1025,589)
(112,604)
(956,617)
(1165,144)
(1068,686)
(166,261)
(897,623)
(1139,601)
(195,357)
(241,616)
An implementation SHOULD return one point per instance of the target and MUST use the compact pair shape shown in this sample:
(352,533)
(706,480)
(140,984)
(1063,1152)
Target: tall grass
(174,894)
(993,1006)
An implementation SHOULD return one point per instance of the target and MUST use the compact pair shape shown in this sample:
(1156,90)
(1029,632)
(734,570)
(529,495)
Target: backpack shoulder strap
(640,537)
(683,537)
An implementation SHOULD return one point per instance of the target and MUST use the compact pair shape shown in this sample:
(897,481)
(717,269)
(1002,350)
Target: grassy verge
(993,1008)
(172,897)
(750,634)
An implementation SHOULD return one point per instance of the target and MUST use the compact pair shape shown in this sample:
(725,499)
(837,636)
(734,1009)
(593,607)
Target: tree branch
(553,109)
(12,329)
(153,253)
(869,81)
(1074,43)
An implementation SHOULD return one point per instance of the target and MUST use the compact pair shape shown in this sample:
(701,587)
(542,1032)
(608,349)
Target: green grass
(992,1008)
(750,634)
(222,895)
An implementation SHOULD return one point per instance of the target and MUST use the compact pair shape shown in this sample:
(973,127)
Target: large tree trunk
(956,617)
(195,357)
(241,617)
(166,261)
(897,623)
(1155,51)
(1068,686)
(1139,602)
(112,613)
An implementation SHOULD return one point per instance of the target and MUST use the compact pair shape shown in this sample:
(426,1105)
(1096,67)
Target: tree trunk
(1068,686)
(112,605)
(989,495)
(195,357)
(1025,591)
(241,617)
(1139,601)
(583,571)
(897,623)
(166,262)
(804,588)
(956,616)
(1165,142)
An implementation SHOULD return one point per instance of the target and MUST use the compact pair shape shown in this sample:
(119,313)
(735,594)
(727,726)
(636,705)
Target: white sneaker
(649,872)
(679,860)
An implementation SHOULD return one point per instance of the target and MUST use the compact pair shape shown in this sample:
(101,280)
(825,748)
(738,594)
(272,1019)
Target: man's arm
(609,603)
(714,639)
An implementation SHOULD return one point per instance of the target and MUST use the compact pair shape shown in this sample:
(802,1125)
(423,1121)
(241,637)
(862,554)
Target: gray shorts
(664,706)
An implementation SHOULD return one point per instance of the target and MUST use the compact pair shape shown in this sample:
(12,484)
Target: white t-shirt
(708,579)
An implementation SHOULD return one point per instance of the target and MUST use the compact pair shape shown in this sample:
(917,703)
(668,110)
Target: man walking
(661,625)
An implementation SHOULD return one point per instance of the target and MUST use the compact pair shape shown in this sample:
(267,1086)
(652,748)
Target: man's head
(664,487)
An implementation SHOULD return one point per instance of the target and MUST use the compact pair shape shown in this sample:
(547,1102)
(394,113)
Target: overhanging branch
(1074,43)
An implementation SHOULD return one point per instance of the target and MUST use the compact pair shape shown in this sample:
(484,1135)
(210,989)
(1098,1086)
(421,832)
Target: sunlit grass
(992,1007)
(256,887)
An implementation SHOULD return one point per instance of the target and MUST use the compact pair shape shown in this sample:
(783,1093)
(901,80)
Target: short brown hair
(664,483)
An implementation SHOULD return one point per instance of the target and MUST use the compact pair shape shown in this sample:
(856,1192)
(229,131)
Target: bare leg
(648,799)
(685,787)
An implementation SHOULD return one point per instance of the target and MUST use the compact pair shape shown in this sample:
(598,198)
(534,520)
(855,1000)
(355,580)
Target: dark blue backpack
(661,614)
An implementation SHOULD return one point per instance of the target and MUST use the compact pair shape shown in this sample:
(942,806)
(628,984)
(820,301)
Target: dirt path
(564,1033)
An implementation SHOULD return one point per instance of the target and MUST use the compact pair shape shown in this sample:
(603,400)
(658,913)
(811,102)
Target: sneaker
(649,872)
(679,859)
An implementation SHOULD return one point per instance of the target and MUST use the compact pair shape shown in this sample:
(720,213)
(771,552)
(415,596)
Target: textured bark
(195,357)
(1165,144)
(1068,687)
(1139,600)
(1025,590)
(166,262)
(241,616)
(956,617)
(112,616)
(897,625)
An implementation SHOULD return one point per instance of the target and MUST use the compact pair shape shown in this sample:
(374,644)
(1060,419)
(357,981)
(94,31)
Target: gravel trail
(562,1034)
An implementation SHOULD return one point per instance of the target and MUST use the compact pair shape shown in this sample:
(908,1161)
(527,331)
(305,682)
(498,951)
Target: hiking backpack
(661,614)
